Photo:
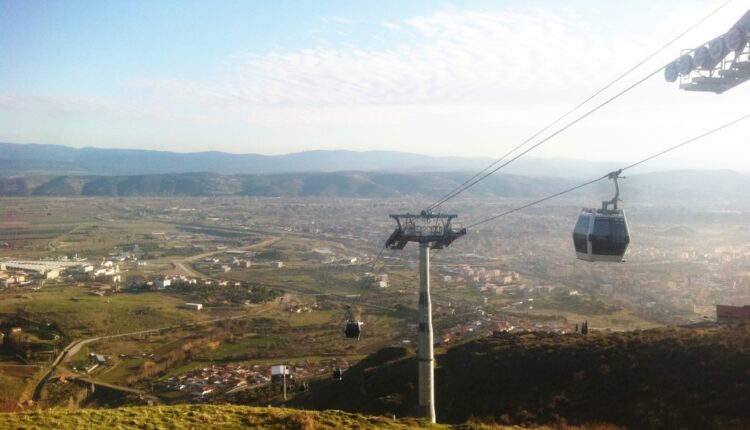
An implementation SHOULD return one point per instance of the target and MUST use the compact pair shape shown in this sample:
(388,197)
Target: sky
(445,78)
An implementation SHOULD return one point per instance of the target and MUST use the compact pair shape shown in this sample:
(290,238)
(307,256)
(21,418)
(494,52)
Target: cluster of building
(229,378)
(716,255)
(105,271)
(487,323)
(21,273)
(480,275)
(160,283)
(379,280)
(218,379)
(331,257)
(239,260)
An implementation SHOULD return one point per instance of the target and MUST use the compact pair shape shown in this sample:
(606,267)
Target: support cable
(608,175)
(365,279)
(469,182)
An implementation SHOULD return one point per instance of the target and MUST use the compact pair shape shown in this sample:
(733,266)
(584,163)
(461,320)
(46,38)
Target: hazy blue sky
(439,77)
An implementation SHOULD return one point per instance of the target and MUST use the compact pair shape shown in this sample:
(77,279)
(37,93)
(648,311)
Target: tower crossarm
(438,230)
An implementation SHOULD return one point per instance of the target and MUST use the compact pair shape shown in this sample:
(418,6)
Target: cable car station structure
(715,66)
(431,231)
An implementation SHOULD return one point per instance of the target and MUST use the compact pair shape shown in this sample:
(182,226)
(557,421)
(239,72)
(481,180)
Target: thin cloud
(458,57)
(339,20)
(507,67)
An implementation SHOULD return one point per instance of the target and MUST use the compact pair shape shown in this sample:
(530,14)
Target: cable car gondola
(338,374)
(352,326)
(353,329)
(602,234)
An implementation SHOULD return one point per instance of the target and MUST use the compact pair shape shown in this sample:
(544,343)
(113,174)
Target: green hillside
(692,377)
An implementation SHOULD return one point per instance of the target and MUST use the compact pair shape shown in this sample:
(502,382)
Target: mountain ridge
(45,159)
(693,184)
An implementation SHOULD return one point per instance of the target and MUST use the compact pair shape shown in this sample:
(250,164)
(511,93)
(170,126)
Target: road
(59,238)
(184,264)
(119,388)
(75,346)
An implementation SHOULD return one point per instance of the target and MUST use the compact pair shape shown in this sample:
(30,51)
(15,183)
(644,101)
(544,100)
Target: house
(725,313)
(193,306)
(162,284)
(226,268)
(135,281)
(277,264)
(98,359)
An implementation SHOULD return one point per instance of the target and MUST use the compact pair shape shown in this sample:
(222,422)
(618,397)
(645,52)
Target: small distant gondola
(602,234)
(352,326)
(353,329)
(338,374)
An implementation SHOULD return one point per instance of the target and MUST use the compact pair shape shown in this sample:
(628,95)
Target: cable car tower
(432,231)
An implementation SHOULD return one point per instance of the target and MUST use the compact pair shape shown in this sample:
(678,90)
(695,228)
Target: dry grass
(216,417)
(195,417)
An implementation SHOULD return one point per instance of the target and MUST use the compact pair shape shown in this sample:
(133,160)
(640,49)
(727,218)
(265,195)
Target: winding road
(75,346)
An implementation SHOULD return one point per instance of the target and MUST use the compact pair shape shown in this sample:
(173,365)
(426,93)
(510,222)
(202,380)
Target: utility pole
(431,231)
(283,378)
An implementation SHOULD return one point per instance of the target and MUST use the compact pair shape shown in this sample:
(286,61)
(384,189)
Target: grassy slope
(692,377)
(205,416)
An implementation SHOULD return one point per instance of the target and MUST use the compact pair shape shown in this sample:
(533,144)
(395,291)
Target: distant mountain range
(689,185)
(52,170)
(34,159)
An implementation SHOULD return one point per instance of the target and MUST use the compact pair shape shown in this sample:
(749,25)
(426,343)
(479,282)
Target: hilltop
(690,377)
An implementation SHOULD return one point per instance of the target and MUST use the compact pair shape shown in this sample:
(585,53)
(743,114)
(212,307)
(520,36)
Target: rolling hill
(691,378)
(702,185)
